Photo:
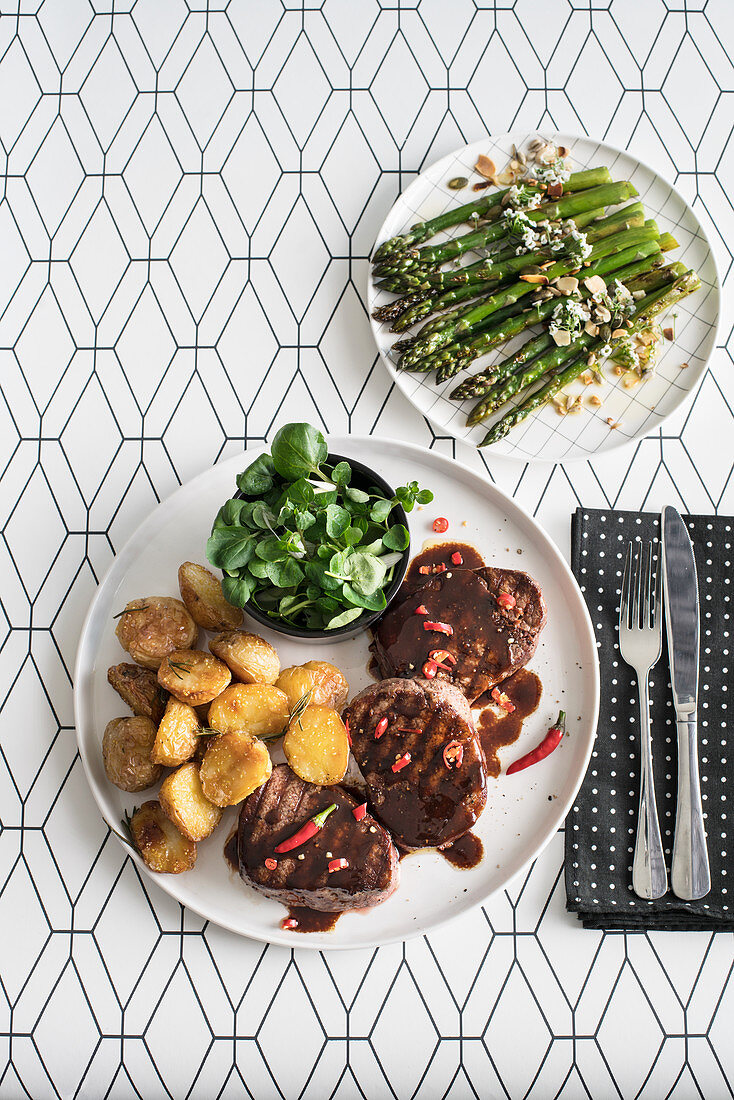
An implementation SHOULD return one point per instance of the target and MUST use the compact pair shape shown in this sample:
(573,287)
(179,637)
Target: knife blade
(690,877)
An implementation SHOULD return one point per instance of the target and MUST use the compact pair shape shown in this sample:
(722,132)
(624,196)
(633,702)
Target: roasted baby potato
(140,689)
(251,658)
(159,842)
(260,709)
(316,746)
(235,764)
(193,676)
(326,683)
(152,628)
(177,736)
(202,593)
(183,801)
(126,748)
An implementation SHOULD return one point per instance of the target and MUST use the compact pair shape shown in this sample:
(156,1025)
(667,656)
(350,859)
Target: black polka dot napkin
(601,828)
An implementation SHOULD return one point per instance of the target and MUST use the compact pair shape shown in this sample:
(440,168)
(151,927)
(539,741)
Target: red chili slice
(457,558)
(503,700)
(360,812)
(429,669)
(288,923)
(380,728)
(442,655)
(401,730)
(439,567)
(424,569)
(421,609)
(402,762)
(440,525)
(349,734)
(338,865)
(453,754)
(271,863)
(441,628)
(506,599)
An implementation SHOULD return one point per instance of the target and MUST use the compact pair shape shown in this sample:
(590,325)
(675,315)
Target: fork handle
(649,877)
(689,873)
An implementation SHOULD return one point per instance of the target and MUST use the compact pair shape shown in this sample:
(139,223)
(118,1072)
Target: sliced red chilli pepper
(311,828)
(439,567)
(380,728)
(424,569)
(456,558)
(503,700)
(442,655)
(430,669)
(360,812)
(271,863)
(551,741)
(453,754)
(506,600)
(421,609)
(349,732)
(338,865)
(440,525)
(288,923)
(402,762)
(442,628)
(416,731)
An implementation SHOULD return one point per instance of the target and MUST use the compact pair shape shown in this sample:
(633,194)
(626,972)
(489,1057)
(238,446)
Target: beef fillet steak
(275,811)
(418,751)
(489,641)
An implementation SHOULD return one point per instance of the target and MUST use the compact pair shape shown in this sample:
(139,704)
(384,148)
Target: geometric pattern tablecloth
(189,197)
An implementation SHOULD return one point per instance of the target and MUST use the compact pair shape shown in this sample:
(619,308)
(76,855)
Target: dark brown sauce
(373,668)
(230,852)
(312,920)
(438,553)
(496,727)
(465,853)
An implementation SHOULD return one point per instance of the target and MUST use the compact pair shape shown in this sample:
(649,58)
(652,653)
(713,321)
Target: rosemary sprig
(176,665)
(294,715)
(130,611)
(126,836)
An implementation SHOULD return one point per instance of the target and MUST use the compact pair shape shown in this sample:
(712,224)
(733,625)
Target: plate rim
(278,937)
(616,444)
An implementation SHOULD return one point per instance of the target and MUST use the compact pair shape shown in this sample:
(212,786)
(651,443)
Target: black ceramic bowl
(362,478)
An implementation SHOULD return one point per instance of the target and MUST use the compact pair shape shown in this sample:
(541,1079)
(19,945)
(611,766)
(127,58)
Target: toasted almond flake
(668,333)
(514,164)
(562,338)
(602,314)
(595,284)
(545,266)
(566,284)
(645,337)
(683,366)
(591,359)
(554,292)
(630,381)
(591,328)
(618,333)
(543,295)
(485,167)
(542,280)
(505,177)
(586,378)
(560,410)
(558,399)
(637,294)
(595,400)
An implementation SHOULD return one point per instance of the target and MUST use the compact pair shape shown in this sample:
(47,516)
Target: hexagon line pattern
(190,194)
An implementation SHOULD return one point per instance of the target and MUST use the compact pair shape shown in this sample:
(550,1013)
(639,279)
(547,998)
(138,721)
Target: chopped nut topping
(602,314)
(683,366)
(591,328)
(668,333)
(566,284)
(618,333)
(542,280)
(562,338)
(485,167)
(595,400)
(595,284)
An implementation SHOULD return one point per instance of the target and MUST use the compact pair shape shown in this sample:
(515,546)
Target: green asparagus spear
(488,206)
(656,303)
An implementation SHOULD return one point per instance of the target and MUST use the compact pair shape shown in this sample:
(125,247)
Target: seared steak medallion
(486,639)
(274,812)
(417,749)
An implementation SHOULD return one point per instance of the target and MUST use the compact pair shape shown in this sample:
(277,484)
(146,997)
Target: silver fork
(640,643)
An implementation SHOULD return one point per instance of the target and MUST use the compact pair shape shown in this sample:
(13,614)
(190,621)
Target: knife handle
(690,877)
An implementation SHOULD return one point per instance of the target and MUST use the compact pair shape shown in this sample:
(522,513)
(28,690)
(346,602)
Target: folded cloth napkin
(602,825)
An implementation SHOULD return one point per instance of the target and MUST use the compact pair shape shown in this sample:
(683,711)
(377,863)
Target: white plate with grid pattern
(545,436)
(523,812)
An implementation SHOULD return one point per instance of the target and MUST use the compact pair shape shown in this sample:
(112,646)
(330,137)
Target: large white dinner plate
(523,811)
(545,436)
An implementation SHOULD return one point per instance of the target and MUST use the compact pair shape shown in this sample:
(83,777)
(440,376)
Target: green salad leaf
(304,543)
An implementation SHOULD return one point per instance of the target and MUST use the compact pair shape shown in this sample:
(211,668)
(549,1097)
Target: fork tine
(637,592)
(658,589)
(624,602)
(647,602)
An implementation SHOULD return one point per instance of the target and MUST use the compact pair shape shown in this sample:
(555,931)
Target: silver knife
(689,873)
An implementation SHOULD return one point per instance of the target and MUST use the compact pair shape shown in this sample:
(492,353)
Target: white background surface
(188,201)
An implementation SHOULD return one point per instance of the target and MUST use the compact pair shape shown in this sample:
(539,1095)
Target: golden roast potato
(126,748)
(326,683)
(251,659)
(152,628)
(316,746)
(163,848)
(235,764)
(202,593)
(260,709)
(178,735)
(193,677)
(183,801)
